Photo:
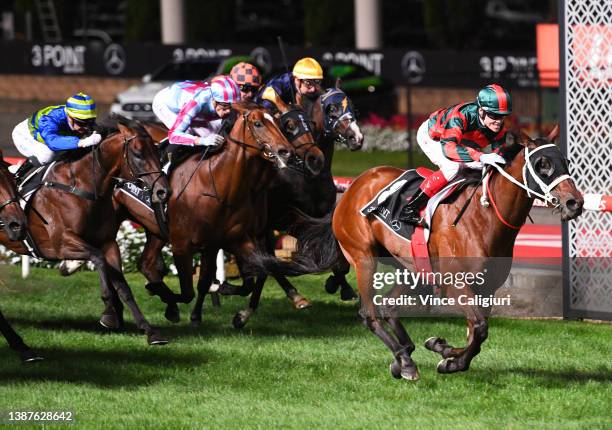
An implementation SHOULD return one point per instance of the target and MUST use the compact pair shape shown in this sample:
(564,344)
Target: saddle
(389,202)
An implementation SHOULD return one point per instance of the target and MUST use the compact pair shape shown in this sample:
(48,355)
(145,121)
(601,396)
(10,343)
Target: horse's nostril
(14,226)
(314,163)
(573,204)
(284,153)
(162,194)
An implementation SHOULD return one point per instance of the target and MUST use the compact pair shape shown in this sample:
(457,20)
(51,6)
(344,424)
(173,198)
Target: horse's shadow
(562,377)
(99,367)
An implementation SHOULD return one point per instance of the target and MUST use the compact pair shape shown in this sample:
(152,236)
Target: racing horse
(71,215)
(295,126)
(218,203)
(14,225)
(333,120)
(535,168)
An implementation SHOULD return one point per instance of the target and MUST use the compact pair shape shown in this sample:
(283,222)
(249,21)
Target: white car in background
(136,101)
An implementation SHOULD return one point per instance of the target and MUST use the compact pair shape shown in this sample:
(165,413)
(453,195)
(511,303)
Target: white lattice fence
(588,119)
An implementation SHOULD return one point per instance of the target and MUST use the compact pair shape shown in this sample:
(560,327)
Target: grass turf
(290,369)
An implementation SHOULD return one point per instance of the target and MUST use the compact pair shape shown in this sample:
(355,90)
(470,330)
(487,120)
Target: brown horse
(14,224)
(218,203)
(333,120)
(363,239)
(72,214)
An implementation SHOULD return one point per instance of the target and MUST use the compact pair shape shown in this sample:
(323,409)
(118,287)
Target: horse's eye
(544,167)
(290,126)
(258,124)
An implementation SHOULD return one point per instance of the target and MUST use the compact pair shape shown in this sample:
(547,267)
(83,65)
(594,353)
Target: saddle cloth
(386,206)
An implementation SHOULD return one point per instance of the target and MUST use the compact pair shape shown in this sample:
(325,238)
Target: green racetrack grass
(290,369)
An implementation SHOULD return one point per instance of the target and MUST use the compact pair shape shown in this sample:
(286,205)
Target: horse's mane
(109,128)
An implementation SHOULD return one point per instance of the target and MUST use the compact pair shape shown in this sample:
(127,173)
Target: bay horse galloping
(333,120)
(14,225)
(218,203)
(536,168)
(72,215)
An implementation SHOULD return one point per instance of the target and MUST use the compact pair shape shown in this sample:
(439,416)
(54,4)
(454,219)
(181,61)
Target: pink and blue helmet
(224,90)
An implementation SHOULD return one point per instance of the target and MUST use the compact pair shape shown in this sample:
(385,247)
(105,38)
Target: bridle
(528,172)
(138,177)
(262,147)
(332,123)
(15,197)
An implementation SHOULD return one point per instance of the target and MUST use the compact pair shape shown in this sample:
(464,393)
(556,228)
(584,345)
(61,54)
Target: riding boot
(411,212)
(428,188)
(29,164)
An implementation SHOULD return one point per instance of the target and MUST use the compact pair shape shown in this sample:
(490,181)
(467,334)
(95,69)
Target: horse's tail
(317,249)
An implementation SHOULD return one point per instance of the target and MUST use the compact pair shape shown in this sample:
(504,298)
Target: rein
(547,196)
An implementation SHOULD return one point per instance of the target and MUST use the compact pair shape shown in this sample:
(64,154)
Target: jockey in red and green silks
(468,134)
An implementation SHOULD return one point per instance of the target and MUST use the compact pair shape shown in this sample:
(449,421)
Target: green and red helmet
(493,98)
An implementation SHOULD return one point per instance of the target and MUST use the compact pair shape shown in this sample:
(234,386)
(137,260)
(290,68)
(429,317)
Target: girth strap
(71,189)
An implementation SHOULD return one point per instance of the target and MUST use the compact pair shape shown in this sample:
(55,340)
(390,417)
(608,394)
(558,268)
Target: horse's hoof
(196,320)
(172,313)
(435,344)
(301,303)
(396,369)
(347,294)
(331,286)
(156,339)
(29,356)
(411,373)
(448,365)
(238,322)
(110,322)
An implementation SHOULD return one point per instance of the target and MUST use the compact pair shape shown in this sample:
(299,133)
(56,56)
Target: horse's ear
(124,130)
(281,105)
(553,134)
(523,139)
(338,81)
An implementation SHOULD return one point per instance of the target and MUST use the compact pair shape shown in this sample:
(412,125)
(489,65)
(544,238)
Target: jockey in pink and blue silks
(193,110)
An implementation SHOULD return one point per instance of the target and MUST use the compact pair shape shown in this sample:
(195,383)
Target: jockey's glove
(91,140)
(492,159)
(211,140)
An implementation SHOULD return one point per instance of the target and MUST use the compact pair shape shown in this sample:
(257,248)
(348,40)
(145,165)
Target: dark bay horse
(218,203)
(333,120)
(72,215)
(14,225)
(361,240)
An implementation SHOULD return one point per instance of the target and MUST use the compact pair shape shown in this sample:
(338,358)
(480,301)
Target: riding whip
(282,50)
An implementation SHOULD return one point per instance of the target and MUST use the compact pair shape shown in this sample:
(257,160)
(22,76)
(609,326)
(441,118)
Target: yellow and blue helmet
(81,107)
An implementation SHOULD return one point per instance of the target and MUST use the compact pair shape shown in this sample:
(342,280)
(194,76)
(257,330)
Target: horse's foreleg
(243,316)
(152,267)
(403,366)
(16,342)
(207,273)
(459,359)
(110,265)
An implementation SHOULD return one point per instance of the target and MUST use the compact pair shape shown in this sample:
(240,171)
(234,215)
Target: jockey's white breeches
(28,146)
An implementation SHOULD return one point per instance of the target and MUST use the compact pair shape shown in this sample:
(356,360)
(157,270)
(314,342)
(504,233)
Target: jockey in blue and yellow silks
(305,79)
(57,128)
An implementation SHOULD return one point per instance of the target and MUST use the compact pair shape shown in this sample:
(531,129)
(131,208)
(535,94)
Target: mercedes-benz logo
(413,67)
(396,225)
(262,58)
(114,59)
